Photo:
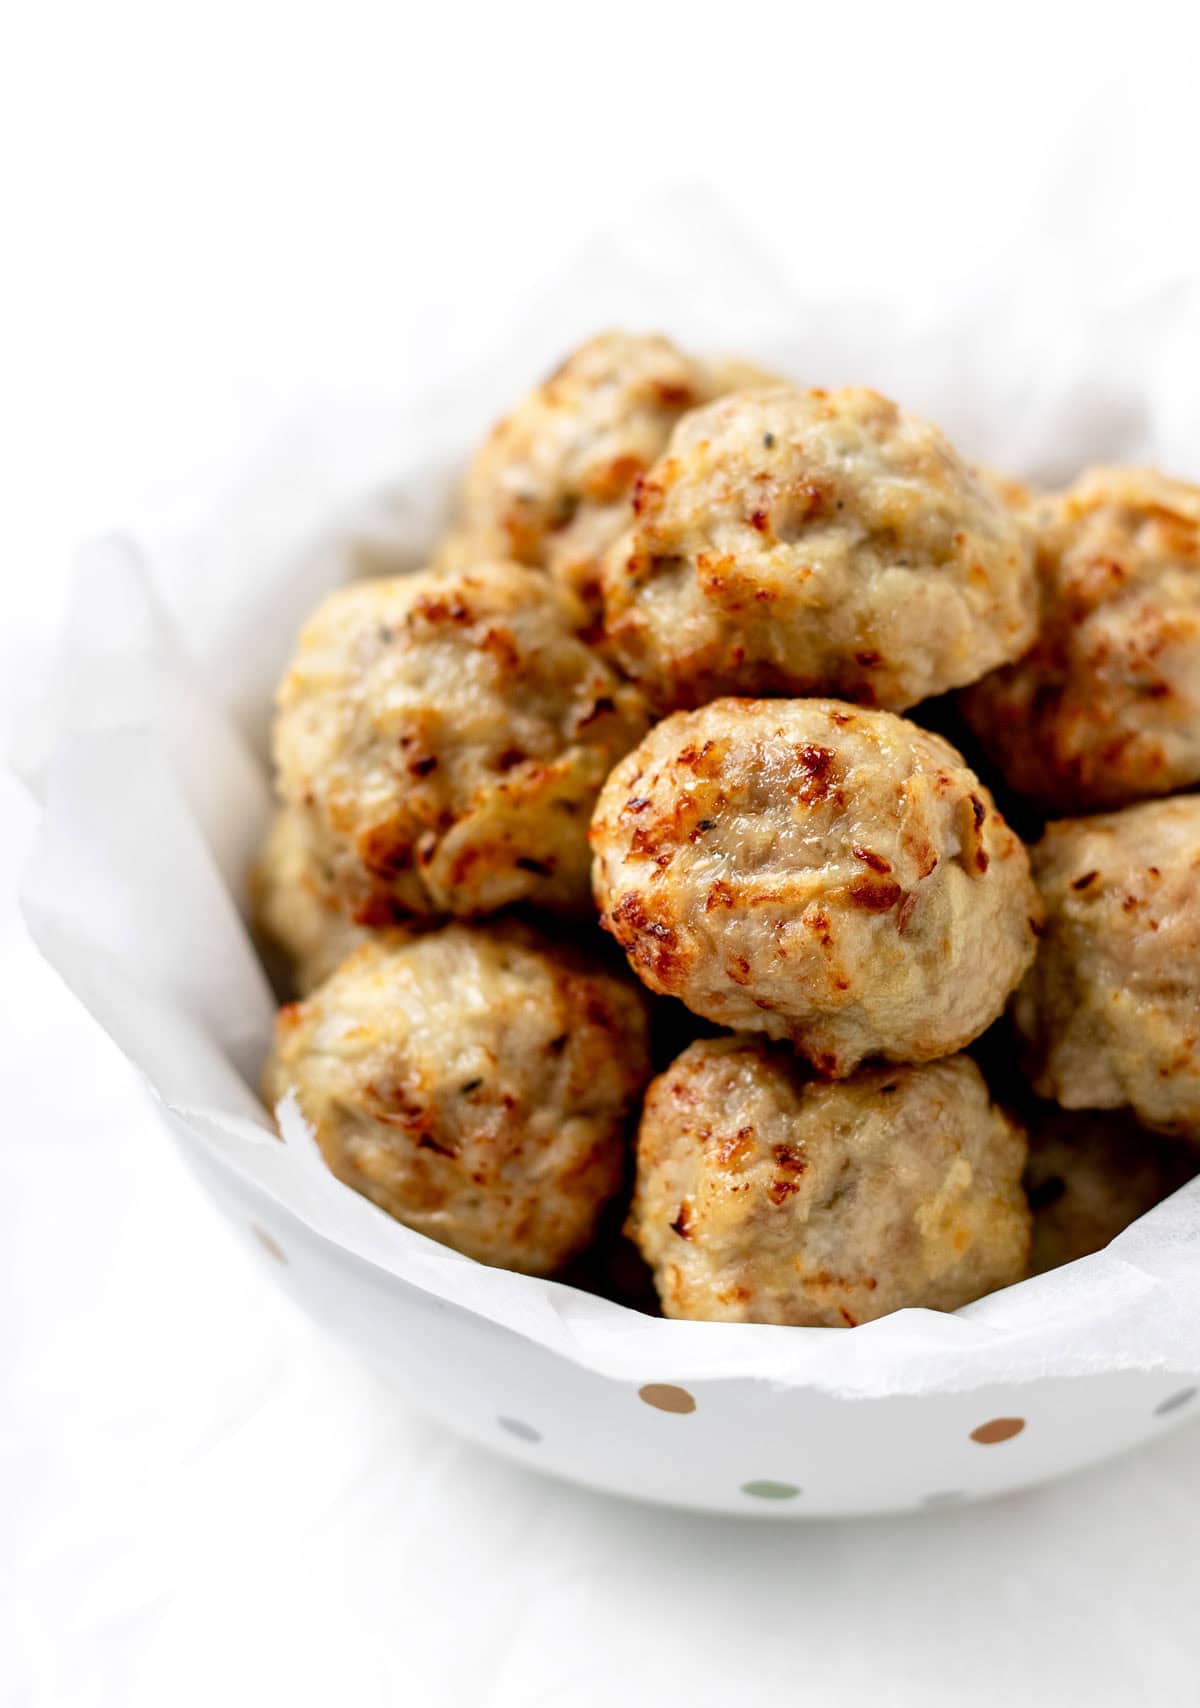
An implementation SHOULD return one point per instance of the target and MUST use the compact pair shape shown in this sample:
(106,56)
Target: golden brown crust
(830,875)
(815,542)
(1090,1175)
(550,486)
(1110,1010)
(765,1196)
(1105,708)
(445,736)
(474,1083)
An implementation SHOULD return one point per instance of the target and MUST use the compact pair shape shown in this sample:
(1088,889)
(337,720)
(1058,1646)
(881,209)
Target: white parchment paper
(148,758)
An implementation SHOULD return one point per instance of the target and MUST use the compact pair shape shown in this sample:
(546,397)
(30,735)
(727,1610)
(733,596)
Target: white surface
(200,1500)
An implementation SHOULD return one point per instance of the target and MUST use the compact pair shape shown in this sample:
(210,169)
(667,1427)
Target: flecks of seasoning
(978,810)
(422,767)
(731,1153)
(874,896)
(791,1160)
(427,1142)
(769,441)
(470,1086)
(818,922)
(556,1046)
(639,803)
(759,520)
(602,706)
(1083,882)
(867,659)
(674,394)
(682,1225)
(386,634)
(817,764)
(868,856)
(539,868)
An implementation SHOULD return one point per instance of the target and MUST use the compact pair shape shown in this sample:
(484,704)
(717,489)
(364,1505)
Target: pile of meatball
(737,671)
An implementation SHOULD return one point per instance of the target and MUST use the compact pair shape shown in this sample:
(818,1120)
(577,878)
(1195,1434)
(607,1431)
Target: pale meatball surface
(303,931)
(550,486)
(794,543)
(765,1196)
(1110,1011)
(1090,1175)
(1105,707)
(474,1083)
(445,736)
(825,874)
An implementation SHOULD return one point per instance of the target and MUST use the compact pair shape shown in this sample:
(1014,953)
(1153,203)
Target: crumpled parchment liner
(148,759)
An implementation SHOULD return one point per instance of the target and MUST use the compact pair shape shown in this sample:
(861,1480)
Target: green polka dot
(765,1489)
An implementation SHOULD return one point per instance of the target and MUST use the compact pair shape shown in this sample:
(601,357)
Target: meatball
(550,486)
(1090,1175)
(1105,709)
(445,736)
(1016,495)
(825,874)
(303,931)
(1110,1011)
(474,1084)
(815,542)
(766,1196)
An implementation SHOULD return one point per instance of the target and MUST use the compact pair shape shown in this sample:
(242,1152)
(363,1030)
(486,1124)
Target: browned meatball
(1110,1011)
(550,486)
(296,916)
(815,542)
(474,1083)
(825,874)
(1105,709)
(445,736)
(766,1196)
(1090,1175)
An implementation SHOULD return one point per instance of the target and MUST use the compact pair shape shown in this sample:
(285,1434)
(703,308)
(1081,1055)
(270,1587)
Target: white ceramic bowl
(154,803)
(740,1446)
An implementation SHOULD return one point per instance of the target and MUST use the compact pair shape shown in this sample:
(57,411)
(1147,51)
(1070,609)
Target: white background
(218,219)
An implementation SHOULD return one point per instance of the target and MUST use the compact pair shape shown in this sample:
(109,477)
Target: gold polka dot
(664,1396)
(268,1244)
(999,1429)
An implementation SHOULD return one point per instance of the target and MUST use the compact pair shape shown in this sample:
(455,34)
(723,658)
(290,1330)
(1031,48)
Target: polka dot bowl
(156,800)
(736,1445)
